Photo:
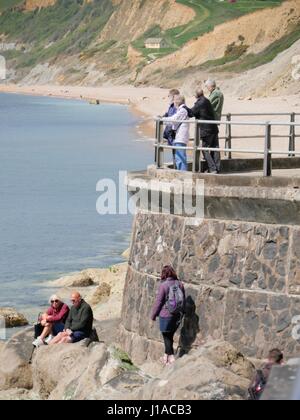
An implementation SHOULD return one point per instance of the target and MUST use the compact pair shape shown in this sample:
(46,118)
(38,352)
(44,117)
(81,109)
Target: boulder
(12,318)
(214,372)
(100,295)
(84,278)
(126,254)
(15,369)
(54,364)
(74,372)
(83,281)
(18,395)
(108,330)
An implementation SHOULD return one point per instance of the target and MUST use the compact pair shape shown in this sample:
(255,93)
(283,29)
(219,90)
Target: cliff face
(38,4)
(94,42)
(251,34)
(132,18)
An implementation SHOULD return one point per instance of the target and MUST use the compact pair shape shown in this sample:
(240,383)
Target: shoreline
(130,96)
(148,102)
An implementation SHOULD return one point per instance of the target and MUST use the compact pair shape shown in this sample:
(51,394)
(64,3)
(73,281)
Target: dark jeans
(57,328)
(78,336)
(169,342)
(213,159)
(168,328)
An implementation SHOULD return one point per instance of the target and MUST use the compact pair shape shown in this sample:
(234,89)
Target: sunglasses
(54,301)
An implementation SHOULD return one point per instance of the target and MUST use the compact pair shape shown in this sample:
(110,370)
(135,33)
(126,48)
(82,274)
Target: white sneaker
(38,342)
(49,338)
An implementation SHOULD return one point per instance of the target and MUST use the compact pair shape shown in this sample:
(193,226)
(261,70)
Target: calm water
(52,153)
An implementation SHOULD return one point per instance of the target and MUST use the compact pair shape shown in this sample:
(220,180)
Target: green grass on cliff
(66,28)
(208,14)
(8,4)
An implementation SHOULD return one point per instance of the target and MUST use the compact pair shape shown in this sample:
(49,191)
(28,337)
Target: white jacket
(182,128)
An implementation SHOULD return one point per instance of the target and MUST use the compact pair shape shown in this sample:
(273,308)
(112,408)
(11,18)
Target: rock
(84,281)
(126,254)
(53,364)
(101,294)
(13,318)
(214,372)
(108,330)
(72,372)
(85,278)
(18,395)
(15,370)
(94,101)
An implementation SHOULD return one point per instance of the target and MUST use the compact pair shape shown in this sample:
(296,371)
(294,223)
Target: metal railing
(291,136)
(229,123)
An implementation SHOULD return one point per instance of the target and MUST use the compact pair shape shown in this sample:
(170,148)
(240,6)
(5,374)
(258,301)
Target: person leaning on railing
(181,132)
(209,133)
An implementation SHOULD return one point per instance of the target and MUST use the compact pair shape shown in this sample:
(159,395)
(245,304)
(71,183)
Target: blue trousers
(181,158)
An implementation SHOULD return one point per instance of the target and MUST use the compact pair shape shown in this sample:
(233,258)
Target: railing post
(268,151)
(197,153)
(292,143)
(156,137)
(228,141)
(159,149)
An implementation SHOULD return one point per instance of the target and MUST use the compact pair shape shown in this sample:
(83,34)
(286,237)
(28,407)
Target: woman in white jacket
(181,131)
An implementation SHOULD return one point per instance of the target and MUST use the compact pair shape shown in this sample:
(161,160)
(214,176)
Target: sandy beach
(149,102)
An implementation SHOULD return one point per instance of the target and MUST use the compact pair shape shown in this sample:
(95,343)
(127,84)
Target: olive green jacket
(217,100)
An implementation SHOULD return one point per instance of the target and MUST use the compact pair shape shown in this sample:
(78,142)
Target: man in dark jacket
(79,323)
(209,133)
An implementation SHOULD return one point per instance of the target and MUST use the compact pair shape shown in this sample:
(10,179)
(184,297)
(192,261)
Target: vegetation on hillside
(73,28)
(66,28)
(8,4)
(208,14)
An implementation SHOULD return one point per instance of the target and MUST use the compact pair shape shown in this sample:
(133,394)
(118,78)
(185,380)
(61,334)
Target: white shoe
(38,342)
(49,338)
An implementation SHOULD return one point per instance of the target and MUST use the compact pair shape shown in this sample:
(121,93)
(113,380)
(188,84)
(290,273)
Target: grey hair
(211,83)
(54,297)
(180,98)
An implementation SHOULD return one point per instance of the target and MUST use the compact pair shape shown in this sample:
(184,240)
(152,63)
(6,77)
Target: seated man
(53,321)
(79,323)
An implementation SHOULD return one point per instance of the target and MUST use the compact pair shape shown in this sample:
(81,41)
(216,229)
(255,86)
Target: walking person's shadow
(190,328)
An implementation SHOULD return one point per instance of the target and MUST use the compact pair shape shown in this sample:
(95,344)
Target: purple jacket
(159,308)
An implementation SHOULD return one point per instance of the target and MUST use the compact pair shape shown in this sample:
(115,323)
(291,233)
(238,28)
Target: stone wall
(242,280)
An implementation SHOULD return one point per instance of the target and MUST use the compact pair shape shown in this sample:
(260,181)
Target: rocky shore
(102,370)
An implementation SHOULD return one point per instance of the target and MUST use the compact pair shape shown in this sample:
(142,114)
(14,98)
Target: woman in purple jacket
(169,306)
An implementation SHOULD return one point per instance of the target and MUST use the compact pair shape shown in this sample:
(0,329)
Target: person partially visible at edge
(79,323)
(168,132)
(169,322)
(209,133)
(181,132)
(261,377)
(216,98)
(53,321)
